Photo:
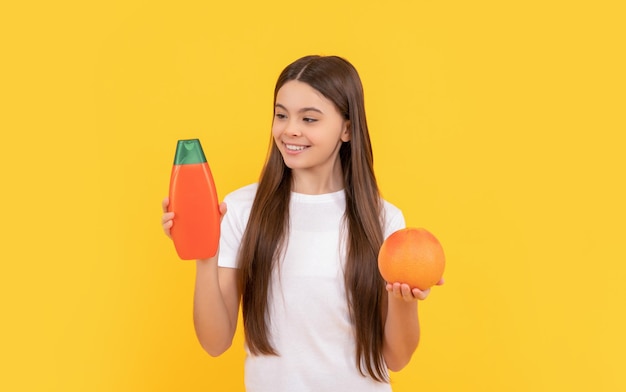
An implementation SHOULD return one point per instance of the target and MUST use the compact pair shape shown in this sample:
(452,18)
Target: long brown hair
(337,80)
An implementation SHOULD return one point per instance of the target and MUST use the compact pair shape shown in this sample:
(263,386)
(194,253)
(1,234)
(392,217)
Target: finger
(421,294)
(223,209)
(168,216)
(406,292)
(441,281)
(168,225)
(165,203)
(166,228)
(397,290)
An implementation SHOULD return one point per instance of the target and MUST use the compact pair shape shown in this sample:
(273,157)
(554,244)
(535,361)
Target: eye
(280,116)
(309,120)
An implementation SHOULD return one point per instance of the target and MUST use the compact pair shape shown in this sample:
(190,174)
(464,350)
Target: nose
(292,128)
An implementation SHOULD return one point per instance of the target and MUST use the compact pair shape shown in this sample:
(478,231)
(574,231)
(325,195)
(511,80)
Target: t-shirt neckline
(304,197)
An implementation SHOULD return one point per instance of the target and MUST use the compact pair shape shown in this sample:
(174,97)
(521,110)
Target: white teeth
(294,148)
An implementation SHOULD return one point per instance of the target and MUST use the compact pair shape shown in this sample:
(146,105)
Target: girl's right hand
(167,219)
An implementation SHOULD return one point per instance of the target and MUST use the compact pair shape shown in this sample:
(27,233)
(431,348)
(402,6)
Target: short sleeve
(238,204)
(393,219)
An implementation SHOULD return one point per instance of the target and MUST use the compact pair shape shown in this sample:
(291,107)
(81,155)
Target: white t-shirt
(309,321)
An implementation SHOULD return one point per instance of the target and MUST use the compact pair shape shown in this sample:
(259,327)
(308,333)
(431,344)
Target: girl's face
(308,129)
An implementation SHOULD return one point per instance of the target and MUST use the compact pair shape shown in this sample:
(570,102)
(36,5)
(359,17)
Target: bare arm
(216,297)
(215,306)
(402,329)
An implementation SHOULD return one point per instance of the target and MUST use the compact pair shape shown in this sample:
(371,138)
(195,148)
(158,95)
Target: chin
(290,165)
(289,162)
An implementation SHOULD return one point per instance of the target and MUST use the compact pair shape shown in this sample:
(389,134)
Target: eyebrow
(306,109)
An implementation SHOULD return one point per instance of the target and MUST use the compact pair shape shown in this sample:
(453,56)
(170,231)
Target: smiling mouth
(292,147)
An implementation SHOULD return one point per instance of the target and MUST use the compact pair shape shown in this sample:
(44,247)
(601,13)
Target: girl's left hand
(404,291)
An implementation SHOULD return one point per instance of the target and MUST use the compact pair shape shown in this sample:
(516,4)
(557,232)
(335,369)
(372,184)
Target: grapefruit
(413,256)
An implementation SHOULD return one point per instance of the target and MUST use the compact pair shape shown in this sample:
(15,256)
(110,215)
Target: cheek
(275,131)
(277,128)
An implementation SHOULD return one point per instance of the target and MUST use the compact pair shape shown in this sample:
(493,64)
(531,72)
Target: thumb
(223,209)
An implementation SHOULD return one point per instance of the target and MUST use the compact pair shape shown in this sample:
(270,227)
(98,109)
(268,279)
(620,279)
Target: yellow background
(499,126)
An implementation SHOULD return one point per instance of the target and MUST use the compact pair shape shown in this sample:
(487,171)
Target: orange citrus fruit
(412,256)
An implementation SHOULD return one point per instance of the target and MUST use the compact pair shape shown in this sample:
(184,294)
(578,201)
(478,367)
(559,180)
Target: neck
(312,182)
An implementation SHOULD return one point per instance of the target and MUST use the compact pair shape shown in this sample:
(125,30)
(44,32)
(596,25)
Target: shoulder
(238,207)
(391,212)
(390,208)
(243,195)
(239,202)
(393,218)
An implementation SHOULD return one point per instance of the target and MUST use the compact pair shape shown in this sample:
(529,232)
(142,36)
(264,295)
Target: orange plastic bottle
(193,199)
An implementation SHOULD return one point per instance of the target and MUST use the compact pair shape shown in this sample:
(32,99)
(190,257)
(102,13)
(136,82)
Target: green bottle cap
(189,152)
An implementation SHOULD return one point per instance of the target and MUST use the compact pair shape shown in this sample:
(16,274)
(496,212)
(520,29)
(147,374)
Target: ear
(346,134)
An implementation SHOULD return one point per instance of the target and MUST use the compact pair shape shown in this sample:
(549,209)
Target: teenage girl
(298,250)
